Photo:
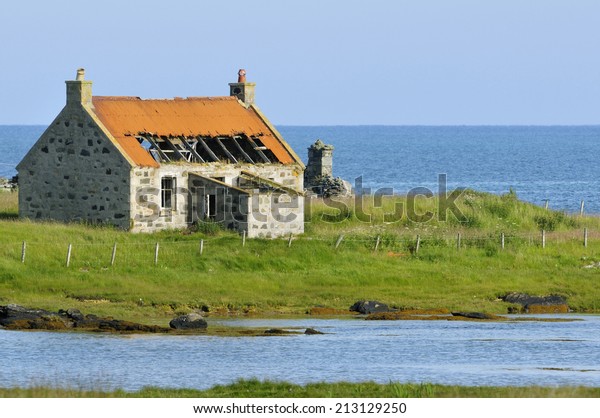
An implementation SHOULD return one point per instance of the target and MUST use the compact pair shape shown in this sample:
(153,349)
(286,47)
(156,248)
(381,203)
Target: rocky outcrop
(279,331)
(18,317)
(312,331)
(475,315)
(536,304)
(327,186)
(189,321)
(367,307)
(15,317)
(525,299)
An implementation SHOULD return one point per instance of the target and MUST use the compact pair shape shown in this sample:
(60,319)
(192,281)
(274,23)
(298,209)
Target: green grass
(267,277)
(258,389)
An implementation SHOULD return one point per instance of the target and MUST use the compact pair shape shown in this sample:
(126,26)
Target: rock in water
(189,321)
(369,307)
(474,315)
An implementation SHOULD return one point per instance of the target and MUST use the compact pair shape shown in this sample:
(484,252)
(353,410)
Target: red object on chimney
(242,76)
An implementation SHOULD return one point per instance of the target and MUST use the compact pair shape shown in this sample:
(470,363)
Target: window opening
(167,187)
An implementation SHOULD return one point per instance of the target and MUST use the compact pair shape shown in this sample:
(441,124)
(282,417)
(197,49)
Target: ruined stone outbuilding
(152,164)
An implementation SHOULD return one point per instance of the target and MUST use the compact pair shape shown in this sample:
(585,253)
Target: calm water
(463,353)
(555,163)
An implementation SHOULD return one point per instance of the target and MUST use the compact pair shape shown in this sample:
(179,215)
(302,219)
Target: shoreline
(271,389)
(59,322)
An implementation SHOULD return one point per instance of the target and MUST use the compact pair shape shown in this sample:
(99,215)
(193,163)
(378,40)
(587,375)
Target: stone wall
(148,216)
(75,173)
(275,214)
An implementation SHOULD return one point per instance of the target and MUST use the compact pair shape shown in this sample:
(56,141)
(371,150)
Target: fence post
(581,208)
(585,237)
(244,238)
(543,238)
(201,246)
(339,241)
(502,240)
(114,255)
(377,243)
(156,254)
(290,240)
(546,205)
(23,249)
(418,244)
(458,241)
(69,255)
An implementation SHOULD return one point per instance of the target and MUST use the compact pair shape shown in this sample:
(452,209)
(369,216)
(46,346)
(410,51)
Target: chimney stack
(243,90)
(79,91)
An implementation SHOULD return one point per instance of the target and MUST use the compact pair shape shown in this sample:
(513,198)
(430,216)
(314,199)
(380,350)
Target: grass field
(268,277)
(258,389)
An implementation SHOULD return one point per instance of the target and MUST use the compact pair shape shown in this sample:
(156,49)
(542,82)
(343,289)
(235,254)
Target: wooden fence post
(581,208)
(290,240)
(113,255)
(201,246)
(377,243)
(543,238)
(418,244)
(339,241)
(546,205)
(23,249)
(502,240)
(458,241)
(244,238)
(156,254)
(585,237)
(69,255)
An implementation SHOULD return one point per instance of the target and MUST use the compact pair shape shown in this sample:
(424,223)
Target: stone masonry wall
(75,173)
(275,214)
(148,216)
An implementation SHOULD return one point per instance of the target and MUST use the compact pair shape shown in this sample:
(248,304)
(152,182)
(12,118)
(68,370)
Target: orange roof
(125,117)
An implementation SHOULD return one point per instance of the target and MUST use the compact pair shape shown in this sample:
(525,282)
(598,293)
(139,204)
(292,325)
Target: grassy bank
(268,276)
(257,389)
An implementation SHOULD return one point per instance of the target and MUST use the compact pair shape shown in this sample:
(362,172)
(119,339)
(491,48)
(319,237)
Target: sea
(557,164)
(506,353)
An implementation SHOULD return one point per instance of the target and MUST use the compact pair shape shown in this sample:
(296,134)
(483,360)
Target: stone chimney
(79,91)
(320,163)
(242,89)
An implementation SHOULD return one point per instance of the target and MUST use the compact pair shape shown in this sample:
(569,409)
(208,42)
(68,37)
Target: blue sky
(315,62)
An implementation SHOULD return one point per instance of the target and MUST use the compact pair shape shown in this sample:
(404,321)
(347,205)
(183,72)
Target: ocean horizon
(554,163)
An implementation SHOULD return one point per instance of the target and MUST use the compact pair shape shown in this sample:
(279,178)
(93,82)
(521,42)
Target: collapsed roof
(194,129)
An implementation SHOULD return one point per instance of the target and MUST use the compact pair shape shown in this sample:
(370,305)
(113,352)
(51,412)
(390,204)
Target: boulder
(369,306)
(536,304)
(525,299)
(312,331)
(189,321)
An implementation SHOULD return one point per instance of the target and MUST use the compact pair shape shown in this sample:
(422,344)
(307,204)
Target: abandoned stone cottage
(152,164)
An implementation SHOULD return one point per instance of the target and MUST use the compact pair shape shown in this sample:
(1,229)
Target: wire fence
(104,255)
